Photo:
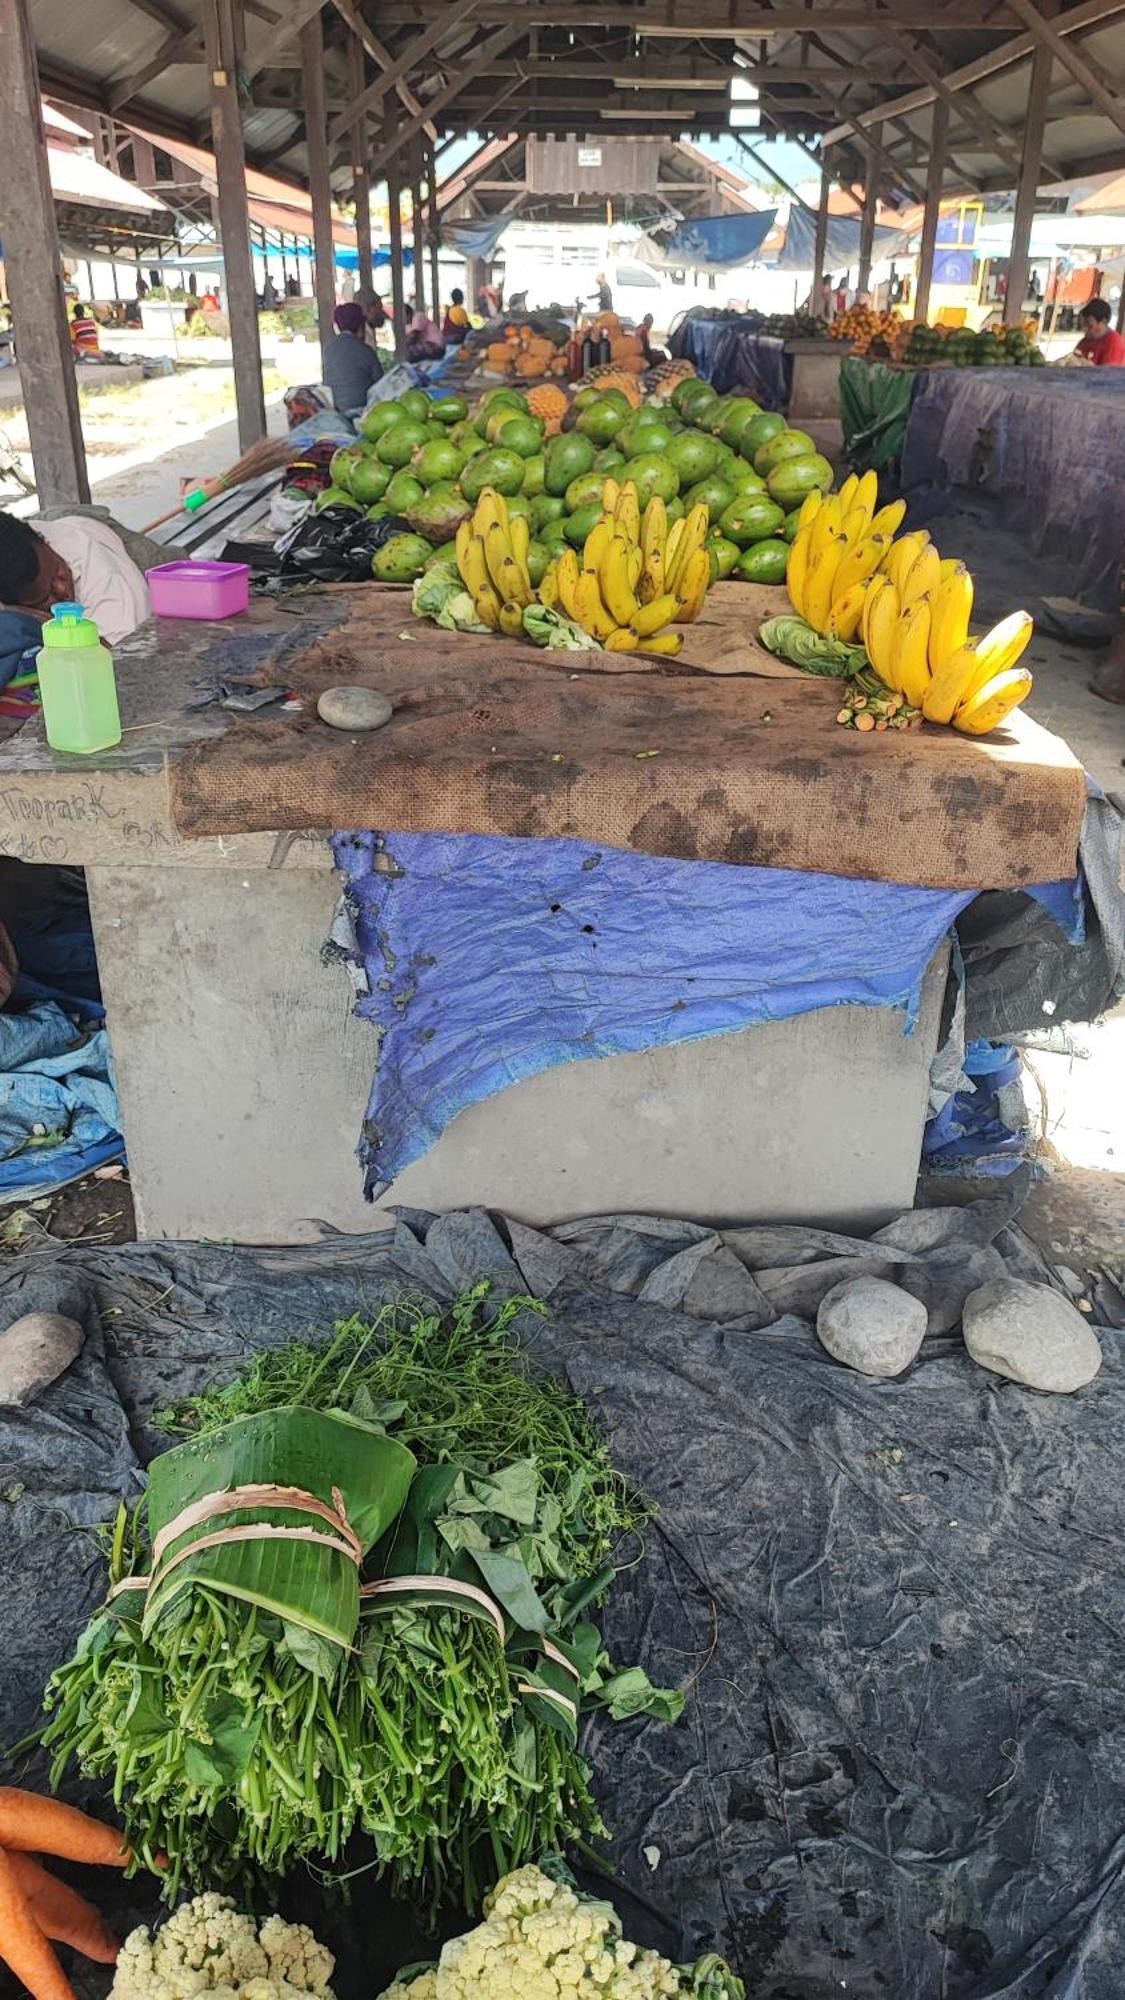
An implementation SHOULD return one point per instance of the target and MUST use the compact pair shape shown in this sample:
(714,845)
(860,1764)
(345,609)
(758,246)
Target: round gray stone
(356,708)
(1032,1335)
(34,1352)
(871,1325)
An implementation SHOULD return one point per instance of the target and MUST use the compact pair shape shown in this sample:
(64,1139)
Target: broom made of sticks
(268,455)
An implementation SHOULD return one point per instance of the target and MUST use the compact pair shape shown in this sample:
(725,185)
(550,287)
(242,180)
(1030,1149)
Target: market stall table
(242,1075)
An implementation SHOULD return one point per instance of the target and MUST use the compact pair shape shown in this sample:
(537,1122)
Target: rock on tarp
(896,1605)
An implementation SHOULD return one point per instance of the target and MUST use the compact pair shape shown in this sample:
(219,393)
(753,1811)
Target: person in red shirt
(1100,344)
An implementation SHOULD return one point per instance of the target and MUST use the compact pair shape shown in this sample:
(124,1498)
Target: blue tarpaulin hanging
(474,239)
(716,239)
(798,252)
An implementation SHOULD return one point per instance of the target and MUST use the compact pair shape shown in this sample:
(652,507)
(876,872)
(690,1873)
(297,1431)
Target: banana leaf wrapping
(346,1483)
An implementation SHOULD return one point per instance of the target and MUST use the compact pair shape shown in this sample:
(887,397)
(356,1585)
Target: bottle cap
(69,626)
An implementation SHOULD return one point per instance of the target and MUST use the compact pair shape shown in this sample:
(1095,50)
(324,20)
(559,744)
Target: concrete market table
(243,1076)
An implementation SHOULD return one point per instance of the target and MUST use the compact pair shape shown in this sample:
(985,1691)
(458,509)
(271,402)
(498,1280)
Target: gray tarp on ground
(899,1606)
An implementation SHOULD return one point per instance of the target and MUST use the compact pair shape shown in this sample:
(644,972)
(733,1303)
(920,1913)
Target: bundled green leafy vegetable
(792,639)
(254,1701)
(553,630)
(440,596)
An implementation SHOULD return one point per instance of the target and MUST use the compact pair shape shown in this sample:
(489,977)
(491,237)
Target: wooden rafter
(381,57)
(419,46)
(1103,90)
(474,67)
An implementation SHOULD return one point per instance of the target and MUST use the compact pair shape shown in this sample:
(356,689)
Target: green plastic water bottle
(77,684)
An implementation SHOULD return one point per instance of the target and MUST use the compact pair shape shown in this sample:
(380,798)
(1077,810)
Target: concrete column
(1028,186)
(361,185)
(939,126)
(398,289)
(34,270)
(821,241)
(870,202)
(221,24)
(320,185)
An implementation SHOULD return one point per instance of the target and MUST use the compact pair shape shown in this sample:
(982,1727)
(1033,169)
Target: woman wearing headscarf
(350,365)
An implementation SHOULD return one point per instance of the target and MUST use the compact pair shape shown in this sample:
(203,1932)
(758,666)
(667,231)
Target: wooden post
(418,220)
(361,186)
(394,227)
(435,232)
(33,265)
(222,43)
(870,202)
(1028,187)
(820,244)
(320,185)
(939,126)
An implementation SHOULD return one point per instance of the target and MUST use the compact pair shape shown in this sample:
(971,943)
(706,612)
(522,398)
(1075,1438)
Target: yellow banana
(999,651)
(597,542)
(497,551)
(654,525)
(695,579)
(613,577)
(921,579)
(634,564)
(511,619)
(810,508)
(650,617)
(889,519)
(463,539)
(880,630)
(818,584)
(827,524)
(950,565)
(911,666)
(846,612)
(672,545)
(486,604)
(627,512)
(662,642)
(549,587)
(797,569)
(856,565)
(491,507)
(995,700)
(624,640)
(474,569)
(511,583)
(951,610)
(951,681)
(867,493)
(590,611)
(567,573)
(519,531)
(695,534)
(610,492)
(847,492)
(902,553)
(653,576)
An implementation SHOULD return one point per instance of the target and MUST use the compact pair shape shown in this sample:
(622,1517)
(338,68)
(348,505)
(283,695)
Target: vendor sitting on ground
(423,338)
(84,335)
(350,365)
(72,560)
(455,325)
(1099,344)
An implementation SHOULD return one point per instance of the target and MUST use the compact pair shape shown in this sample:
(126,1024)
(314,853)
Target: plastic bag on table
(337,545)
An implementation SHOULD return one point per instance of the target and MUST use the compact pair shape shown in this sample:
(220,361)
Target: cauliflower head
(541,1940)
(209,1947)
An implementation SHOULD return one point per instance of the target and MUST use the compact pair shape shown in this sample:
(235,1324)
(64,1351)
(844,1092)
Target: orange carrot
(33,1825)
(23,1946)
(62,1914)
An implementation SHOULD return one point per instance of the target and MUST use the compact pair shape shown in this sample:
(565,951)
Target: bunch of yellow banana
(840,542)
(915,628)
(636,576)
(492,559)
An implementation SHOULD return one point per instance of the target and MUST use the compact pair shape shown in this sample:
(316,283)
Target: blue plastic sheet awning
(716,240)
(474,239)
(798,252)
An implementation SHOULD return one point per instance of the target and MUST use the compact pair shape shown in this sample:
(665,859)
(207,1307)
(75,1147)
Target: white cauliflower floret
(541,1941)
(208,1947)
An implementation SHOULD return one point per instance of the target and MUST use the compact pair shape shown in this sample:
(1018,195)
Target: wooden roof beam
(701,20)
(451,15)
(383,59)
(1088,14)
(474,68)
(1103,90)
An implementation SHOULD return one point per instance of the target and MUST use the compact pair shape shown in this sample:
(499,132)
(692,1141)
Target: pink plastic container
(199,589)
